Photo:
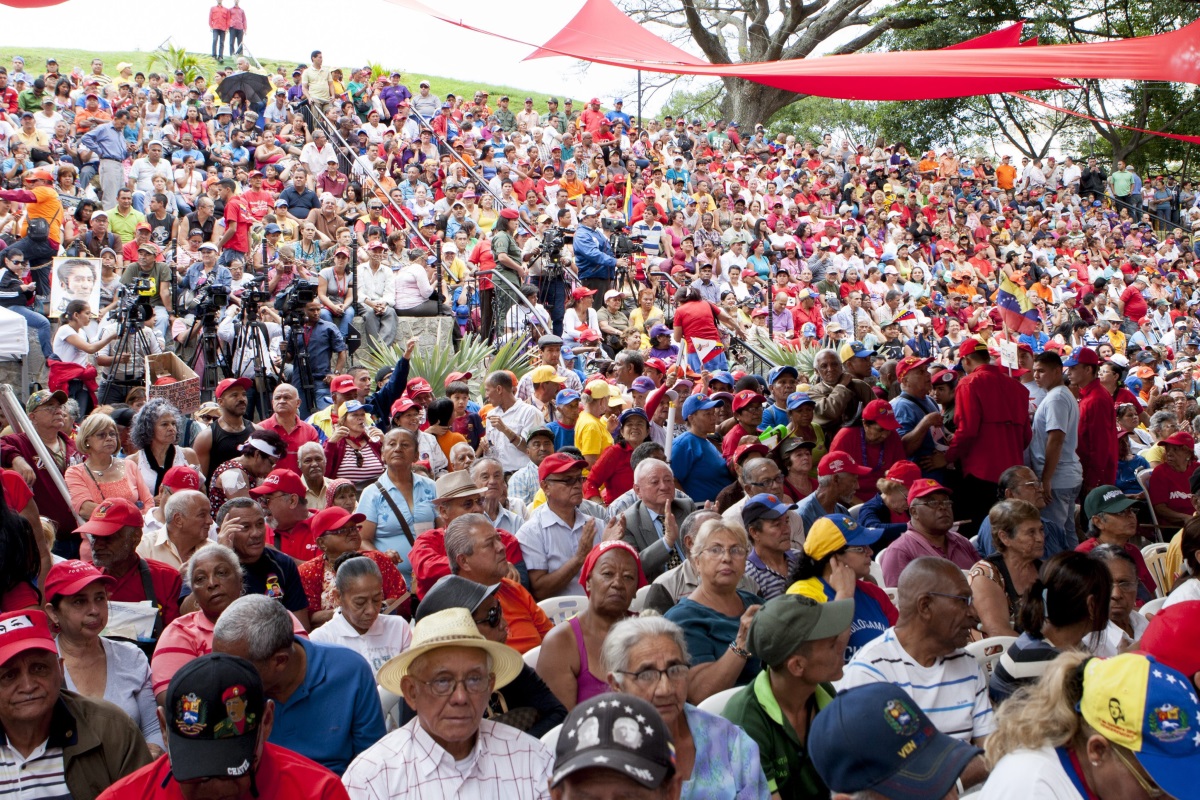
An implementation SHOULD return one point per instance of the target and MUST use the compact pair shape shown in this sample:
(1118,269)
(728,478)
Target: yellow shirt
(591,435)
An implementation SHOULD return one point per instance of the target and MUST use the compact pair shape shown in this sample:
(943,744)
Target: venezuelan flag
(628,205)
(907,315)
(1016,309)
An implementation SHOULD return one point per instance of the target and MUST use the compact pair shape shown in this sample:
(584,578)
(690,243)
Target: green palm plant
(174,58)
(432,364)
(803,360)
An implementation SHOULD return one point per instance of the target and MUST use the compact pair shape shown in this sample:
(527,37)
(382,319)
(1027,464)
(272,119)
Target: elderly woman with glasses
(336,532)
(1125,624)
(102,475)
(648,658)
(611,576)
(999,581)
(715,617)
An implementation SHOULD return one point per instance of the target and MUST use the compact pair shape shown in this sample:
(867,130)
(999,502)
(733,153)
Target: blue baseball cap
(722,376)
(1082,355)
(808,330)
(896,752)
(779,372)
(566,396)
(860,350)
(642,384)
(697,402)
(633,412)
(764,506)
(797,399)
(1133,384)
(350,406)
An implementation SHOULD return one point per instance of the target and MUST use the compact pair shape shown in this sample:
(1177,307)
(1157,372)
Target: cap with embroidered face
(838,462)
(24,630)
(617,732)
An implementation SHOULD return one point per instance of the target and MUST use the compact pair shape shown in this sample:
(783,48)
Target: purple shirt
(782,322)
(912,545)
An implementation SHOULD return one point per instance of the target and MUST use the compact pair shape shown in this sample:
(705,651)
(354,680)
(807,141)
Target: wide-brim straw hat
(453,627)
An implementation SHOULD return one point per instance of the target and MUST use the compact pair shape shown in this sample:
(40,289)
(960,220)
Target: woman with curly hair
(154,431)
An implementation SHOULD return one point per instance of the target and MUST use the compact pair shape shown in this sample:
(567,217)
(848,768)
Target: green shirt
(159,277)
(28,101)
(124,225)
(785,761)
(1122,183)
(506,120)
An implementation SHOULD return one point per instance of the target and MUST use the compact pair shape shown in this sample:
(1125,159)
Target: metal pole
(639,101)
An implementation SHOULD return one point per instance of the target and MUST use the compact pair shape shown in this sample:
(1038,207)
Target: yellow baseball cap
(546,374)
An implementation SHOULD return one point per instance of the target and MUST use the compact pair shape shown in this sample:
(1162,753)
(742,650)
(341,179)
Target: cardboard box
(184,394)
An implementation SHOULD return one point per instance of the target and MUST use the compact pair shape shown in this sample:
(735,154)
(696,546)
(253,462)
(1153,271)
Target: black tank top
(224,446)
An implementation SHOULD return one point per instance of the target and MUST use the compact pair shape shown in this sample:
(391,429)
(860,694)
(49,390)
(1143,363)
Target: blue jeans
(40,325)
(552,294)
(1061,509)
(342,322)
(712,365)
(162,323)
(321,393)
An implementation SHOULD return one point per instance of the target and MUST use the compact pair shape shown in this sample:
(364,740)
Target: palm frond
(511,357)
(174,58)
(435,363)
(802,359)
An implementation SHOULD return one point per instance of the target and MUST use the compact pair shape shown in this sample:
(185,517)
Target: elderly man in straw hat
(449,750)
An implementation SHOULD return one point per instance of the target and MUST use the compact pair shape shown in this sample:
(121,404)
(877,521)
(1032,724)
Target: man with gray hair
(327,705)
(839,395)
(476,552)
(186,530)
(311,458)
(678,582)
(508,422)
(759,476)
(652,523)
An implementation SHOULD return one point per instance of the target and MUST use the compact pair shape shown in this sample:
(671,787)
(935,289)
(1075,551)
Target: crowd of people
(653,565)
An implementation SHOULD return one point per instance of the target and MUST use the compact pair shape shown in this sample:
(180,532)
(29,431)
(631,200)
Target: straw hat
(452,627)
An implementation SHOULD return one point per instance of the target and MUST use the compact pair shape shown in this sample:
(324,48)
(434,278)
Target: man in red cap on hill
(284,498)
(114,532)
(1097,447)
(993,429)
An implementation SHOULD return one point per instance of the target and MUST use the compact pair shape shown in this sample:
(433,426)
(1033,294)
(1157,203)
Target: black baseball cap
(214,708)
(618,732)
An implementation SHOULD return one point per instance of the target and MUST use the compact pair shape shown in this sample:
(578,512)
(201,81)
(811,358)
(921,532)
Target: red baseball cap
(112,515)
(881,413)
(454,377)
(905,472)
(68,577)
(416,387)
(24,630)
(331,519)
(343,384)
(555,463)
(1171,637)
(970,347)
(402,404)
(281,480)
(179,478)
(924,486)
(1180,439)
(745,449)
(746,397)
(909,363)
(230,383)
(658,364)
(837,462)
(580,292)
(944,376)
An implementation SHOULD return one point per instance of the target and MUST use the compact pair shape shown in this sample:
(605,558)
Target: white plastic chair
(550,737)
(988,651)
(391,708)
(639,600)
(877,573)
(1153,607)
(561,609)
(893,594)
(716,703)
(531,657)
(1157,564)
(1143,479)
(854,511)
(1154,547)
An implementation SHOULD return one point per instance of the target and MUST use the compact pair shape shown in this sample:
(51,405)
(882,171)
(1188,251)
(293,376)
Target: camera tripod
(251,346)
(128,369)
(206,360)
(302,377)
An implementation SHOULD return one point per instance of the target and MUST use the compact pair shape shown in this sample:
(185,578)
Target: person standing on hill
(218,23)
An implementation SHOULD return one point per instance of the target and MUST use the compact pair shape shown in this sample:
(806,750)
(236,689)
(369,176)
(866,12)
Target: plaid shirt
(523,484)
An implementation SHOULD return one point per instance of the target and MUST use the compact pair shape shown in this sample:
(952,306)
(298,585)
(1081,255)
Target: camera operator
(594,256)
(143,340)
(205,272)
(546,257)
(326,357)
(148,268)
(270,337)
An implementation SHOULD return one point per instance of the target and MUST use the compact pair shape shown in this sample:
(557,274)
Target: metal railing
(750,355)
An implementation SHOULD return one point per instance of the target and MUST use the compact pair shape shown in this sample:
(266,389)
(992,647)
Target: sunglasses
(492,619)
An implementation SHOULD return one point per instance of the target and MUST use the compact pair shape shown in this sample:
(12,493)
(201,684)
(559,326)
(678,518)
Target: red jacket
(63,372)
(992,414)
(428,557)
(1097,446)
(218,18)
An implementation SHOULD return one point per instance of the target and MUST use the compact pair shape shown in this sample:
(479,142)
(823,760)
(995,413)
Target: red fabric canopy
(31,3)
(592,29)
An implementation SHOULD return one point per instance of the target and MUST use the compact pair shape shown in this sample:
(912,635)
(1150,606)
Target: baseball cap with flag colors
(1136,702)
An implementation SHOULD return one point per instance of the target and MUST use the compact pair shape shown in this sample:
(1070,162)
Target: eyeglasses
(1148,786)
(576,481)
(649,678)
(968,599)
(444,687)
(718,552)
(854,548)
(493,617)
(934,504)
(772,481)
(1125,586)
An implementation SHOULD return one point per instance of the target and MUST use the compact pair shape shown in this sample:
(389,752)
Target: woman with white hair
(716,758)
(154,432)
(715,618)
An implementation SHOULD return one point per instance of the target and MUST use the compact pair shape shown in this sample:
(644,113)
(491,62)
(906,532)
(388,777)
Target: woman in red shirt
(875,443)
(612,476)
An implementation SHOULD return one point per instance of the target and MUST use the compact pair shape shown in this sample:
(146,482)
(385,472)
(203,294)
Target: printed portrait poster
(74,279)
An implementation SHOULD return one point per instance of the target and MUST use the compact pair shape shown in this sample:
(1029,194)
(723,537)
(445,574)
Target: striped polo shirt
(41,776)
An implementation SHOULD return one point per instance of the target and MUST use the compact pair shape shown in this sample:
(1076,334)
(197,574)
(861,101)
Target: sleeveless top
(225,446)
(152,477)
(216,493)
(588,685)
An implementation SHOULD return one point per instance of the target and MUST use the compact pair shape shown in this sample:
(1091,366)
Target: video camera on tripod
(553,242)
(290,304)
(621,243)
(210,299)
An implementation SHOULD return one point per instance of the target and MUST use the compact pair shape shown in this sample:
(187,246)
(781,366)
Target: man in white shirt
(45,120)
(508,422)
(377,294)
(316,154)
(923,653)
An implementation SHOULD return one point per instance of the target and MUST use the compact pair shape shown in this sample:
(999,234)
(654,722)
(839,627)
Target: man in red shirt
(114,532)
(592,117)
(807,310)
(218,23)
(258,199)
(285,402)
(238,219)
(1097,447)
(991,413)
(216,720)
(284,498)
(1132,304)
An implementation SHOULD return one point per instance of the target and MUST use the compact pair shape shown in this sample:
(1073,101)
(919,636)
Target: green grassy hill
(35,63)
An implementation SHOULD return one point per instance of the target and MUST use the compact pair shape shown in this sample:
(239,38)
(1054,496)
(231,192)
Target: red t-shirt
(698,319)
(878,457)
(1172,487)
(166,582)
(237,211)
(260,203)
(297,542)
(16,493)
(1135,304)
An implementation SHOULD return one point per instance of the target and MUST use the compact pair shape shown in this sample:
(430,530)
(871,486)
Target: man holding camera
(326,356)
(545,255)
(151,280)
(594,256)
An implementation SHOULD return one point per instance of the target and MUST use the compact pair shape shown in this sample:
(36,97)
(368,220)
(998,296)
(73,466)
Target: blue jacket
(221,276)
(593,256)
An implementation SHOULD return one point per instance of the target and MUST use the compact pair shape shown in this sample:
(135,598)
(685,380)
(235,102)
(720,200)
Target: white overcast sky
(374,31)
